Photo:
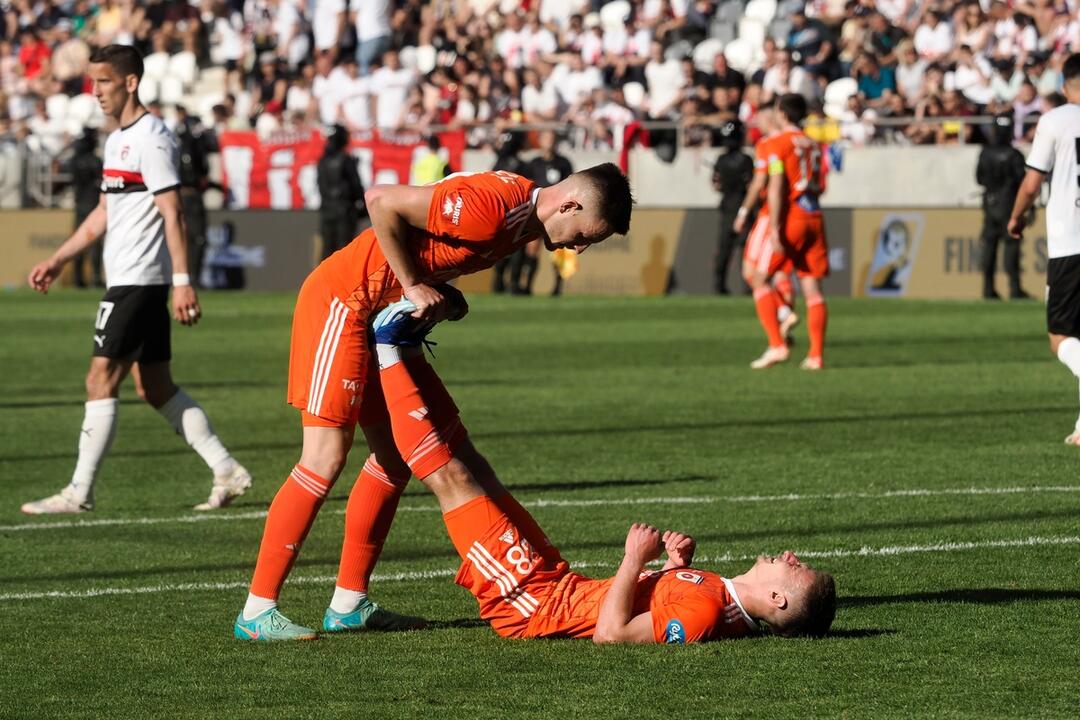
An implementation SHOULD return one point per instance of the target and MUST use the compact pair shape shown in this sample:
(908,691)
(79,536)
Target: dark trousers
(994,233)
(522,271)
(728,242)
(337,230)
(93,254)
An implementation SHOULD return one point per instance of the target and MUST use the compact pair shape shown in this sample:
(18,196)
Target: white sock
(783,313)
(388,355)
(256,606)
(190,421)
(1069,353)
(345,601)
(98,431)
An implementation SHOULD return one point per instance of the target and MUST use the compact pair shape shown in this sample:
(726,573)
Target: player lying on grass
(525,588)
(420,237)
(526,592)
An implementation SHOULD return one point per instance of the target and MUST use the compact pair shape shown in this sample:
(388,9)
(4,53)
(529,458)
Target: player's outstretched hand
(774,240)
(680,549)
(43,274)
(185,304)
(643,543)
(457,306)
(430,303)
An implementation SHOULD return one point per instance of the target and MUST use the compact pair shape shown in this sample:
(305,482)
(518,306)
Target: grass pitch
(924,468)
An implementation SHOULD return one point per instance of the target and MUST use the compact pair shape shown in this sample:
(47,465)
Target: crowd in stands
(874,70)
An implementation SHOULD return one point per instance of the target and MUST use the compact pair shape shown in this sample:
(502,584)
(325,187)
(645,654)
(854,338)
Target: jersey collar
(735,596)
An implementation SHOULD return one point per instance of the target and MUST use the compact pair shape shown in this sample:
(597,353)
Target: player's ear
(778,600)
(569,205)
(131,82)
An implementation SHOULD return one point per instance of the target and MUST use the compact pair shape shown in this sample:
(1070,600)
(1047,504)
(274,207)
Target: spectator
(934,38)
(787,77)
(811,43)
(373,32)
(876,83)
(1025,107)
(973,31)
(356,109)
(391,84)
(910,71)
(328,21)
(884,39)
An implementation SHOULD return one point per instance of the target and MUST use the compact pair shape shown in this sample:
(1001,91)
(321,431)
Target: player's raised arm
(680,549)
(89,232)
(393,209)
(185,302)
(616,622)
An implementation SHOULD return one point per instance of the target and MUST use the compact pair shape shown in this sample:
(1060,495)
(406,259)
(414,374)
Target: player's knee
(327,462)
(99,384)
(451,477)
(1055,343)
(154,394)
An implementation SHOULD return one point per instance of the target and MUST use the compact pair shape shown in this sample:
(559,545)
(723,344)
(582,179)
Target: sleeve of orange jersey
(472,208)
(681,622)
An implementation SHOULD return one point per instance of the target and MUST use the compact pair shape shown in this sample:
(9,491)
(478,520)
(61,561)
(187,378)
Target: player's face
(575,228)
(783,571)
(110,89)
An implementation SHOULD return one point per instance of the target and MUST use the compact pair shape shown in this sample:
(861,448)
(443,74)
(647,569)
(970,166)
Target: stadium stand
(875,71)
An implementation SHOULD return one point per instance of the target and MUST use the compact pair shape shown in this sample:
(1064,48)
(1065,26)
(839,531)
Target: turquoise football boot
(270,625)
(369,616)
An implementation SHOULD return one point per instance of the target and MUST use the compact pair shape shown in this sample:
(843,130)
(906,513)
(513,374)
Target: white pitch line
(542,503)
(865,551)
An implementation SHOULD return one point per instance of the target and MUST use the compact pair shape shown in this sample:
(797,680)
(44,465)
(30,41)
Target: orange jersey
(762,152)
(798,158)
(686,606)
(474,219)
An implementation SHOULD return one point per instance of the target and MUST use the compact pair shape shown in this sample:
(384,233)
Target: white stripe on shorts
(324,356)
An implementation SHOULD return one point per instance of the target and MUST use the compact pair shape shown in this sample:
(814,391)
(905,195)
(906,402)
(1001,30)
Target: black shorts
(1063,296)
(133,323)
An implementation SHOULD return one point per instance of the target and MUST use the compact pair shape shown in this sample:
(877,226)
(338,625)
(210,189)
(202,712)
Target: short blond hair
(812,610)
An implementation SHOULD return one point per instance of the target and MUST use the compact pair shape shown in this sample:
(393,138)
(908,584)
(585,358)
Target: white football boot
(771,356)
(65,501)
(227,488)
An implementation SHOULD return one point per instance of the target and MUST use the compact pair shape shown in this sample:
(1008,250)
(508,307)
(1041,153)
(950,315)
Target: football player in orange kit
(421,237)
(796,231)
(526,590)
(757,253)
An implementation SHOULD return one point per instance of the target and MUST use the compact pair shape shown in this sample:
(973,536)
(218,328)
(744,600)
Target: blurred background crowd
(897,71)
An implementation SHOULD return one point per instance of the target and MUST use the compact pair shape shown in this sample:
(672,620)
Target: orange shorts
(805,245)
(331,379)
(759,254)
(506,575)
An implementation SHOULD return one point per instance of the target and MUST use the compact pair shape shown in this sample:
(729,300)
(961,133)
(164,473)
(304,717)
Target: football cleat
(395,325)
(65,501)
(369,616)
(227,488)
(787,325)
(770,357)
(811,363)
(270,625)
(1073,439)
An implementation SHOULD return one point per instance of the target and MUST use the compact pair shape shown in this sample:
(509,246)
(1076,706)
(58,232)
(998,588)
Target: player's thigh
(132,320)
(808,248)
(328,355)
(757,241)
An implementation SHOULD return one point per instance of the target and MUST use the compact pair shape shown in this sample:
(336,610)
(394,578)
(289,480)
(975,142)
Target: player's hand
(740,222)
(680,549)
(732,613)
(643,543)
(430,303)
(1016,227)
(43,274)
(457,306)
(185,304)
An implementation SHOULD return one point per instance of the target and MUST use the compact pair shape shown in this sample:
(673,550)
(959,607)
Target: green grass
(570,399)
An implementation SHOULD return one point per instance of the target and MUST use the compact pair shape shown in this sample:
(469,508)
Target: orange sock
(368,516)
(785,294)
(287,524)
(817,318)
(528,527)
(765,302)
(468,523)
(420,443)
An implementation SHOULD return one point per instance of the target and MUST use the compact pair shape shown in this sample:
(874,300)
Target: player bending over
(1055,149)
(420,237)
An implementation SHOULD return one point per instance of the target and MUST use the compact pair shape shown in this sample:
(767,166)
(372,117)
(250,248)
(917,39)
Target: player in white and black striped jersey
(140,214)
(1054,152)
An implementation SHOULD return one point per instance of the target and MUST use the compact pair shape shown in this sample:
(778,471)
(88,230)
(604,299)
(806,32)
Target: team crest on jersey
(124,152)
(452,208)
(675,633)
